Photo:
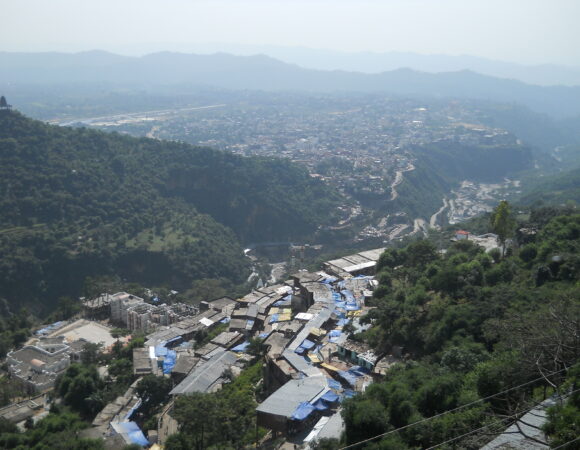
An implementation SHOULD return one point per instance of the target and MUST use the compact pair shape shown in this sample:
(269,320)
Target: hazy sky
(525,31)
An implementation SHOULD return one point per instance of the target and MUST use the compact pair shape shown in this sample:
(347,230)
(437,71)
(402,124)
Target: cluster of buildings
(310,364)
(303,325)
(134,313)
(357,144)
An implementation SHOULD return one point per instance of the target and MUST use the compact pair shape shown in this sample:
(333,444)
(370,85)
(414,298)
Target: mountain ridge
(261,72)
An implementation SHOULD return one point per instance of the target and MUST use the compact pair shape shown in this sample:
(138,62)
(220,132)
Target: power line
(500,420)
(451,410)
(566,443)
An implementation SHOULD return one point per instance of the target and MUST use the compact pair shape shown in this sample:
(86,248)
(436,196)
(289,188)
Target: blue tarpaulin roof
(307,344)
(300,350)
(348,376)
(302,411)
(274,318)
(320,405)
(169,361)
(352,307)
(335,333)
(264,335)
(342,322)
(225,320)
(348,295)
(241,348)
(160,350)
(359,370)
(348,393)
(340,304)
(330,396)
(133,409)
(333,384)
(132,430)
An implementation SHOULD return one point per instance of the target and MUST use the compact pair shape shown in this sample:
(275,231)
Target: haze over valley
(294,224)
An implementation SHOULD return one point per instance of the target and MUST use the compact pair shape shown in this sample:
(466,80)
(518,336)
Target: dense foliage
(471,325)
(78,203)
(224,419)
(554,189)
(59,429)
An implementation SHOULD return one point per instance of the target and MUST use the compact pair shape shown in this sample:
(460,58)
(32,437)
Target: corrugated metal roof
(205,375)
(285,400)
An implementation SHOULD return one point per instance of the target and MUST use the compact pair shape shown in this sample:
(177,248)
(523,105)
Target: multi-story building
(37,366)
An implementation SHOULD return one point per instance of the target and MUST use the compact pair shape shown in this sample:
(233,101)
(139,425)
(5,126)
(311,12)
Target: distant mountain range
(375,62)
(264,73)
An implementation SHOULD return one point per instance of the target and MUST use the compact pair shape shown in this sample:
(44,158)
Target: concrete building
(37,366)
(290,409)
(120,304)
(362,263)
(357,353)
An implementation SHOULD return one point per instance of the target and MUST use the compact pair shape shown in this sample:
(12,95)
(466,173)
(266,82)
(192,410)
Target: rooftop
(285,400)
(204,376)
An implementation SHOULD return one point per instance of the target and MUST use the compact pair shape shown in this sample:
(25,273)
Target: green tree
(503,223)
(90,353)
(153,392)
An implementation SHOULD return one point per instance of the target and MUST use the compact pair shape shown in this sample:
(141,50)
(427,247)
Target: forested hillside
(78,203)
(472,326)
(561,188)
(441,166)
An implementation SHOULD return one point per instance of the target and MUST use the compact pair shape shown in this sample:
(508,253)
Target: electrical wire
(451,410)
(566,443)
(500,420)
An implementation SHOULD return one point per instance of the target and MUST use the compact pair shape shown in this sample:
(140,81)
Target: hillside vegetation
(441,166)
(78,203)
(472,325)
(555,189)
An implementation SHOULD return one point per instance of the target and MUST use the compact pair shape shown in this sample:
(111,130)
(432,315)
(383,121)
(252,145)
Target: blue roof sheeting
(132,431)
(169,361)
(333,384)
(348,376)
(359,370)
(300,350)
(320,405)
(303,410)
(348,393)
(160,350)
(330,396)
(307,344)
(348,295)
(241,347)
(132,410)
